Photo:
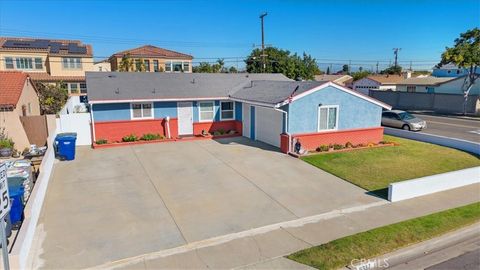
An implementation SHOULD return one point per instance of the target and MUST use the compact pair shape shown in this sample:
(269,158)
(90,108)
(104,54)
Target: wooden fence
(36,129)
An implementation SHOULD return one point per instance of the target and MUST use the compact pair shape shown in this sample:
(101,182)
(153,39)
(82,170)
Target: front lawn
(369,244)
(373,169)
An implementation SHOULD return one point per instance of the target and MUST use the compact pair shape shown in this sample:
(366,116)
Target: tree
(360,69)
(392,70)
(126,64)
(345,69)
(281,61)
(465,54)
(205,67)
(360,75)
(140,65)
(52,97)
(328,70)
(232,69)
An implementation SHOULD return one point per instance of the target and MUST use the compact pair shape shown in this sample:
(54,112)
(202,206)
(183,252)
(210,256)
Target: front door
(185,118)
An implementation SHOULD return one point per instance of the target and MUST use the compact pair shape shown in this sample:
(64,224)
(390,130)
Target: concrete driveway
(111,204)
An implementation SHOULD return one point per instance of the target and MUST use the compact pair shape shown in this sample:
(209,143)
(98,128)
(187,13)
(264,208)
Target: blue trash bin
(16,210)
(65,146)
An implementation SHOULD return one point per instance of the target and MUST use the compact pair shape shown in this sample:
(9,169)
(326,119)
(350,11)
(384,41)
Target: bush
(324,148)
(130,138)
(6,143)
(370,144)
(101,141)
(349,145)
(151,137)
(337,146)
(318,149)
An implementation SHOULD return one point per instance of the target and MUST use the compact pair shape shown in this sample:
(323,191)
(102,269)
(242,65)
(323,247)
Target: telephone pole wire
(263,43)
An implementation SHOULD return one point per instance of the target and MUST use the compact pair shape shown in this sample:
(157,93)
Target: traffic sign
(4,197)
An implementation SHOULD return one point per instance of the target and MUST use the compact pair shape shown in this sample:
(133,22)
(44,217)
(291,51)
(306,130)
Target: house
(265,107)
(377,82)
(342,79)
(102,66)
(153,59)
(18,97)
(450,70)
(49,60)
(439,85)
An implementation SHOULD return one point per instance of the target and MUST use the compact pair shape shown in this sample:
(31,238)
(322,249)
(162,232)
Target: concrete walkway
(262,250)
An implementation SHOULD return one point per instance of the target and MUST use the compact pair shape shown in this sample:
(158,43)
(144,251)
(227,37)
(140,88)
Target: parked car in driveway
(403,120)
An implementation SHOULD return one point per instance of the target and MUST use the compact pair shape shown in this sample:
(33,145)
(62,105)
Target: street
(464,129)
(467,261)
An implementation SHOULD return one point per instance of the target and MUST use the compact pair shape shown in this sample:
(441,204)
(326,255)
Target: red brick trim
(114,131)
(211,126)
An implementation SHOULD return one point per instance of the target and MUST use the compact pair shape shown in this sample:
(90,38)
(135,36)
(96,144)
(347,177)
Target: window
(327,118)
(38,63)
(411,89)
(72,63)
(227,110)
(83,88)
(138,65)
(168,66)
(155,66)
(206,111)
(24,63)
(9,63)
(73,88)
(186,66)
(177,66)
(147,65)
(430,89)
(142,110)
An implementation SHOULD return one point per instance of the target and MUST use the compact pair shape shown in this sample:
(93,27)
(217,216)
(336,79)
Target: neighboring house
(48,60)
(264,107)
(102,66)
(341,79)
(18,97)
(377,82)
(439,85)
(154,59)
(450,70)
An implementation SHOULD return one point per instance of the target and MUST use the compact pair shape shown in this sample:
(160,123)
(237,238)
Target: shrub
(232,131)
(221,131)
(337,146)
(349,145)
(370,144)
(318,149)
(6,143)
(101,141)
(151,137)
(130,138)
(324,148)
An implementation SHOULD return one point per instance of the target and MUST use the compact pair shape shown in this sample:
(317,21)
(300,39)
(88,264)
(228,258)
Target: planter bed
(191,138)
(312,153)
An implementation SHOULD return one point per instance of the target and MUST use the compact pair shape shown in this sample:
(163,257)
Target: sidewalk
(256,250)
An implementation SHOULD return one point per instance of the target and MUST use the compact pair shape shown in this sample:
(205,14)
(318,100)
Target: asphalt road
(467,261)
(465,129)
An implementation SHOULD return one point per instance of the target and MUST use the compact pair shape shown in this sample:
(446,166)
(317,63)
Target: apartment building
(149,58)
(48,60)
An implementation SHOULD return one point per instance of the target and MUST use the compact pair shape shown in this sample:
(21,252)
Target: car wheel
(406,127)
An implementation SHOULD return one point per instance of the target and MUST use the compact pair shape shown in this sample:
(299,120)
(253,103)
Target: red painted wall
(284,143)
(116,130)
(214,126)
(311,141)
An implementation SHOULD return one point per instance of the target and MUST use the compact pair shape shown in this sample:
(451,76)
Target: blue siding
(354,112)
(111,112)
(252,122)
(238,111)
(164,109)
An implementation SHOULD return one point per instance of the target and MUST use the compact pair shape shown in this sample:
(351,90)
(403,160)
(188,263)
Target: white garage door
(268,125)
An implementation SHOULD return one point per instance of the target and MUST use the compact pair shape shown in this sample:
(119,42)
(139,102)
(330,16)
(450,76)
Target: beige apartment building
(48,60)
(153,59)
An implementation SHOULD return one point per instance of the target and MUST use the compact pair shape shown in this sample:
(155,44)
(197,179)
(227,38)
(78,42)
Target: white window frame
(328,114)
(142,117)
(200,112)
(233,110)
(72,61)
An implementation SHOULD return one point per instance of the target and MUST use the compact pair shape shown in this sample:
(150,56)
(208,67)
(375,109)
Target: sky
(359,32)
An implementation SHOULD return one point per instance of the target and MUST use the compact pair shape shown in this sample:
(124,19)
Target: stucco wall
(56,66)
(23,54)
(354,112)
(115,63)
(452,87)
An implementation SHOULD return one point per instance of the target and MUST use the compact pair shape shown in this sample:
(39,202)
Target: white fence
(431,184)
(463,145)
(76,122)
(24,240)
(73,105)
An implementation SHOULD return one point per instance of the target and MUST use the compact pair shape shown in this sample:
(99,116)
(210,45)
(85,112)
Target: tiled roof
(11,87)
(154,52)
(38,50)
(45,77)
(387,79)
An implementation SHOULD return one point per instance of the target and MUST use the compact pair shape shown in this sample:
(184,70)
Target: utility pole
(377,68)
(263,43)
(410,65)
(395,51)
(349,66)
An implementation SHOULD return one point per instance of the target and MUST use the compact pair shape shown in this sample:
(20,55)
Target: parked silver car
(403,120)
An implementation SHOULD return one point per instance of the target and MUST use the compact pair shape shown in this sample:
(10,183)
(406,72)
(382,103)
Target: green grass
(373,169)
(369,244)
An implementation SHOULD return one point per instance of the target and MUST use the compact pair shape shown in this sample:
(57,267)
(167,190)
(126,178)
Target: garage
(262,124)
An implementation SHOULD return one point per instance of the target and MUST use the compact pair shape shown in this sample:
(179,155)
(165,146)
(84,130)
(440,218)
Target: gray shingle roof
(430,80)
(273,92)
(146,85)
